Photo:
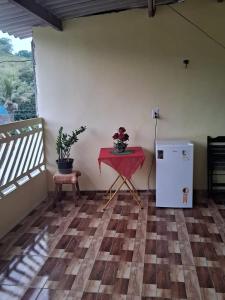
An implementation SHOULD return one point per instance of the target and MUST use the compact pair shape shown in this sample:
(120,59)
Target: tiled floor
(123,253)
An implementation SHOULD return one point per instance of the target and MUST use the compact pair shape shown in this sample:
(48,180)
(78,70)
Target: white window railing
(21,153)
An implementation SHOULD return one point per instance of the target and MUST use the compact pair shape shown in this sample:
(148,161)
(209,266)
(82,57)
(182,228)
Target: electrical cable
(197,27)
(153,156)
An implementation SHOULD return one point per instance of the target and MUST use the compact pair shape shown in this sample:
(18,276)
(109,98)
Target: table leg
(78,190)
(55,196)
(114,194)
(60,192)
(74,193)
(110,189)
(132,186)
(133,192)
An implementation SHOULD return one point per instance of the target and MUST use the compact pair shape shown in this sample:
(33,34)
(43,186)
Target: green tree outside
(17,88)
(6,46)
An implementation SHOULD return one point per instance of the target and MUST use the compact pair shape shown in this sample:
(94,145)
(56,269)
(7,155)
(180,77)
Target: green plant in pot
(64,143)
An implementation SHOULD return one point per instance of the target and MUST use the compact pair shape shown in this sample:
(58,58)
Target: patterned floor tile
(122,253)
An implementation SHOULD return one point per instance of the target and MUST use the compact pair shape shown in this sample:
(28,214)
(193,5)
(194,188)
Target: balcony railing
(21,153)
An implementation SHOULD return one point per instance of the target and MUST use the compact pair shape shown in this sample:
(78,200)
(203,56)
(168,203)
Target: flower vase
(120,147)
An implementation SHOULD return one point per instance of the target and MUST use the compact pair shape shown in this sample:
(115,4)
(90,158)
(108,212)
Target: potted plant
(120,140)
(64,143)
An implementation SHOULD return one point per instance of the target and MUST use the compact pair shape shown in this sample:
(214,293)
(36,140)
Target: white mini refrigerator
(174,173)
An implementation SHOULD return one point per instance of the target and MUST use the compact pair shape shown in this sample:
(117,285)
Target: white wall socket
(155,113)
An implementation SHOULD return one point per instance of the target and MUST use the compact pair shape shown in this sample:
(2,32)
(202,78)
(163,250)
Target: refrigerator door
(174,175)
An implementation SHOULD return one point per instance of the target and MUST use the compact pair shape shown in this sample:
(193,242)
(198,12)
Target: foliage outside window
(17,96)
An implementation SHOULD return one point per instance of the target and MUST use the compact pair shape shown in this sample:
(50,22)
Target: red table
(125,165)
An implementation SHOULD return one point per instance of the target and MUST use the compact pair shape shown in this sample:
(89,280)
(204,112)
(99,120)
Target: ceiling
(17,17)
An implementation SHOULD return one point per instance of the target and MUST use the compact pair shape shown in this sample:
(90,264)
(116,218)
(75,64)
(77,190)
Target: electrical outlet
(155,113)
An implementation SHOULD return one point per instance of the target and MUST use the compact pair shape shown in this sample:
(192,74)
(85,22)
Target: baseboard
(196,192)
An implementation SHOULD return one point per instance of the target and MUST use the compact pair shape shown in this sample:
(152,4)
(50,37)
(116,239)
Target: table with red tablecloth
(125,164)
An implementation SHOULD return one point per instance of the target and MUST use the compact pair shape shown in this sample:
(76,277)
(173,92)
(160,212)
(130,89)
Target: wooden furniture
(216,163)
(125,165)
(72,178)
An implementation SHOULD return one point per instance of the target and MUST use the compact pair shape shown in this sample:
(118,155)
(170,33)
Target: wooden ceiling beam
(151,8)
(40,12)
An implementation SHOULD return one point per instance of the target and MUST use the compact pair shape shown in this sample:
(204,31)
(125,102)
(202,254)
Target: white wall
(110,70)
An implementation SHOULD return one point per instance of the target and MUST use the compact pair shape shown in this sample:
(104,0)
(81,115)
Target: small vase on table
(120,140)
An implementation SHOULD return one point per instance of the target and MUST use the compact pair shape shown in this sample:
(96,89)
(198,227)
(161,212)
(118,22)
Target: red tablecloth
(125,165)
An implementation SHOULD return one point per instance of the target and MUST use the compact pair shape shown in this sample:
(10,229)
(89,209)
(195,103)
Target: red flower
(116,136)
(122,130)
(125,137)
(121,135)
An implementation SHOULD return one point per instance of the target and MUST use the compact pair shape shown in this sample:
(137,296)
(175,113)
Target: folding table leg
(114,194)
(132,190)
(110,189)
(133,193)
(132,186)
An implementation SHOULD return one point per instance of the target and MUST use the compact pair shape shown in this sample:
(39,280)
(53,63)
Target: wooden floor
(124,253)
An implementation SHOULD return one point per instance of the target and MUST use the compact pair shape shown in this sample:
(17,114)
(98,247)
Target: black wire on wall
(198,27)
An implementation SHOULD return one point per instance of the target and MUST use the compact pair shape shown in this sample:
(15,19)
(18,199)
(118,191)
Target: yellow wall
(16,205)
(110,70)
